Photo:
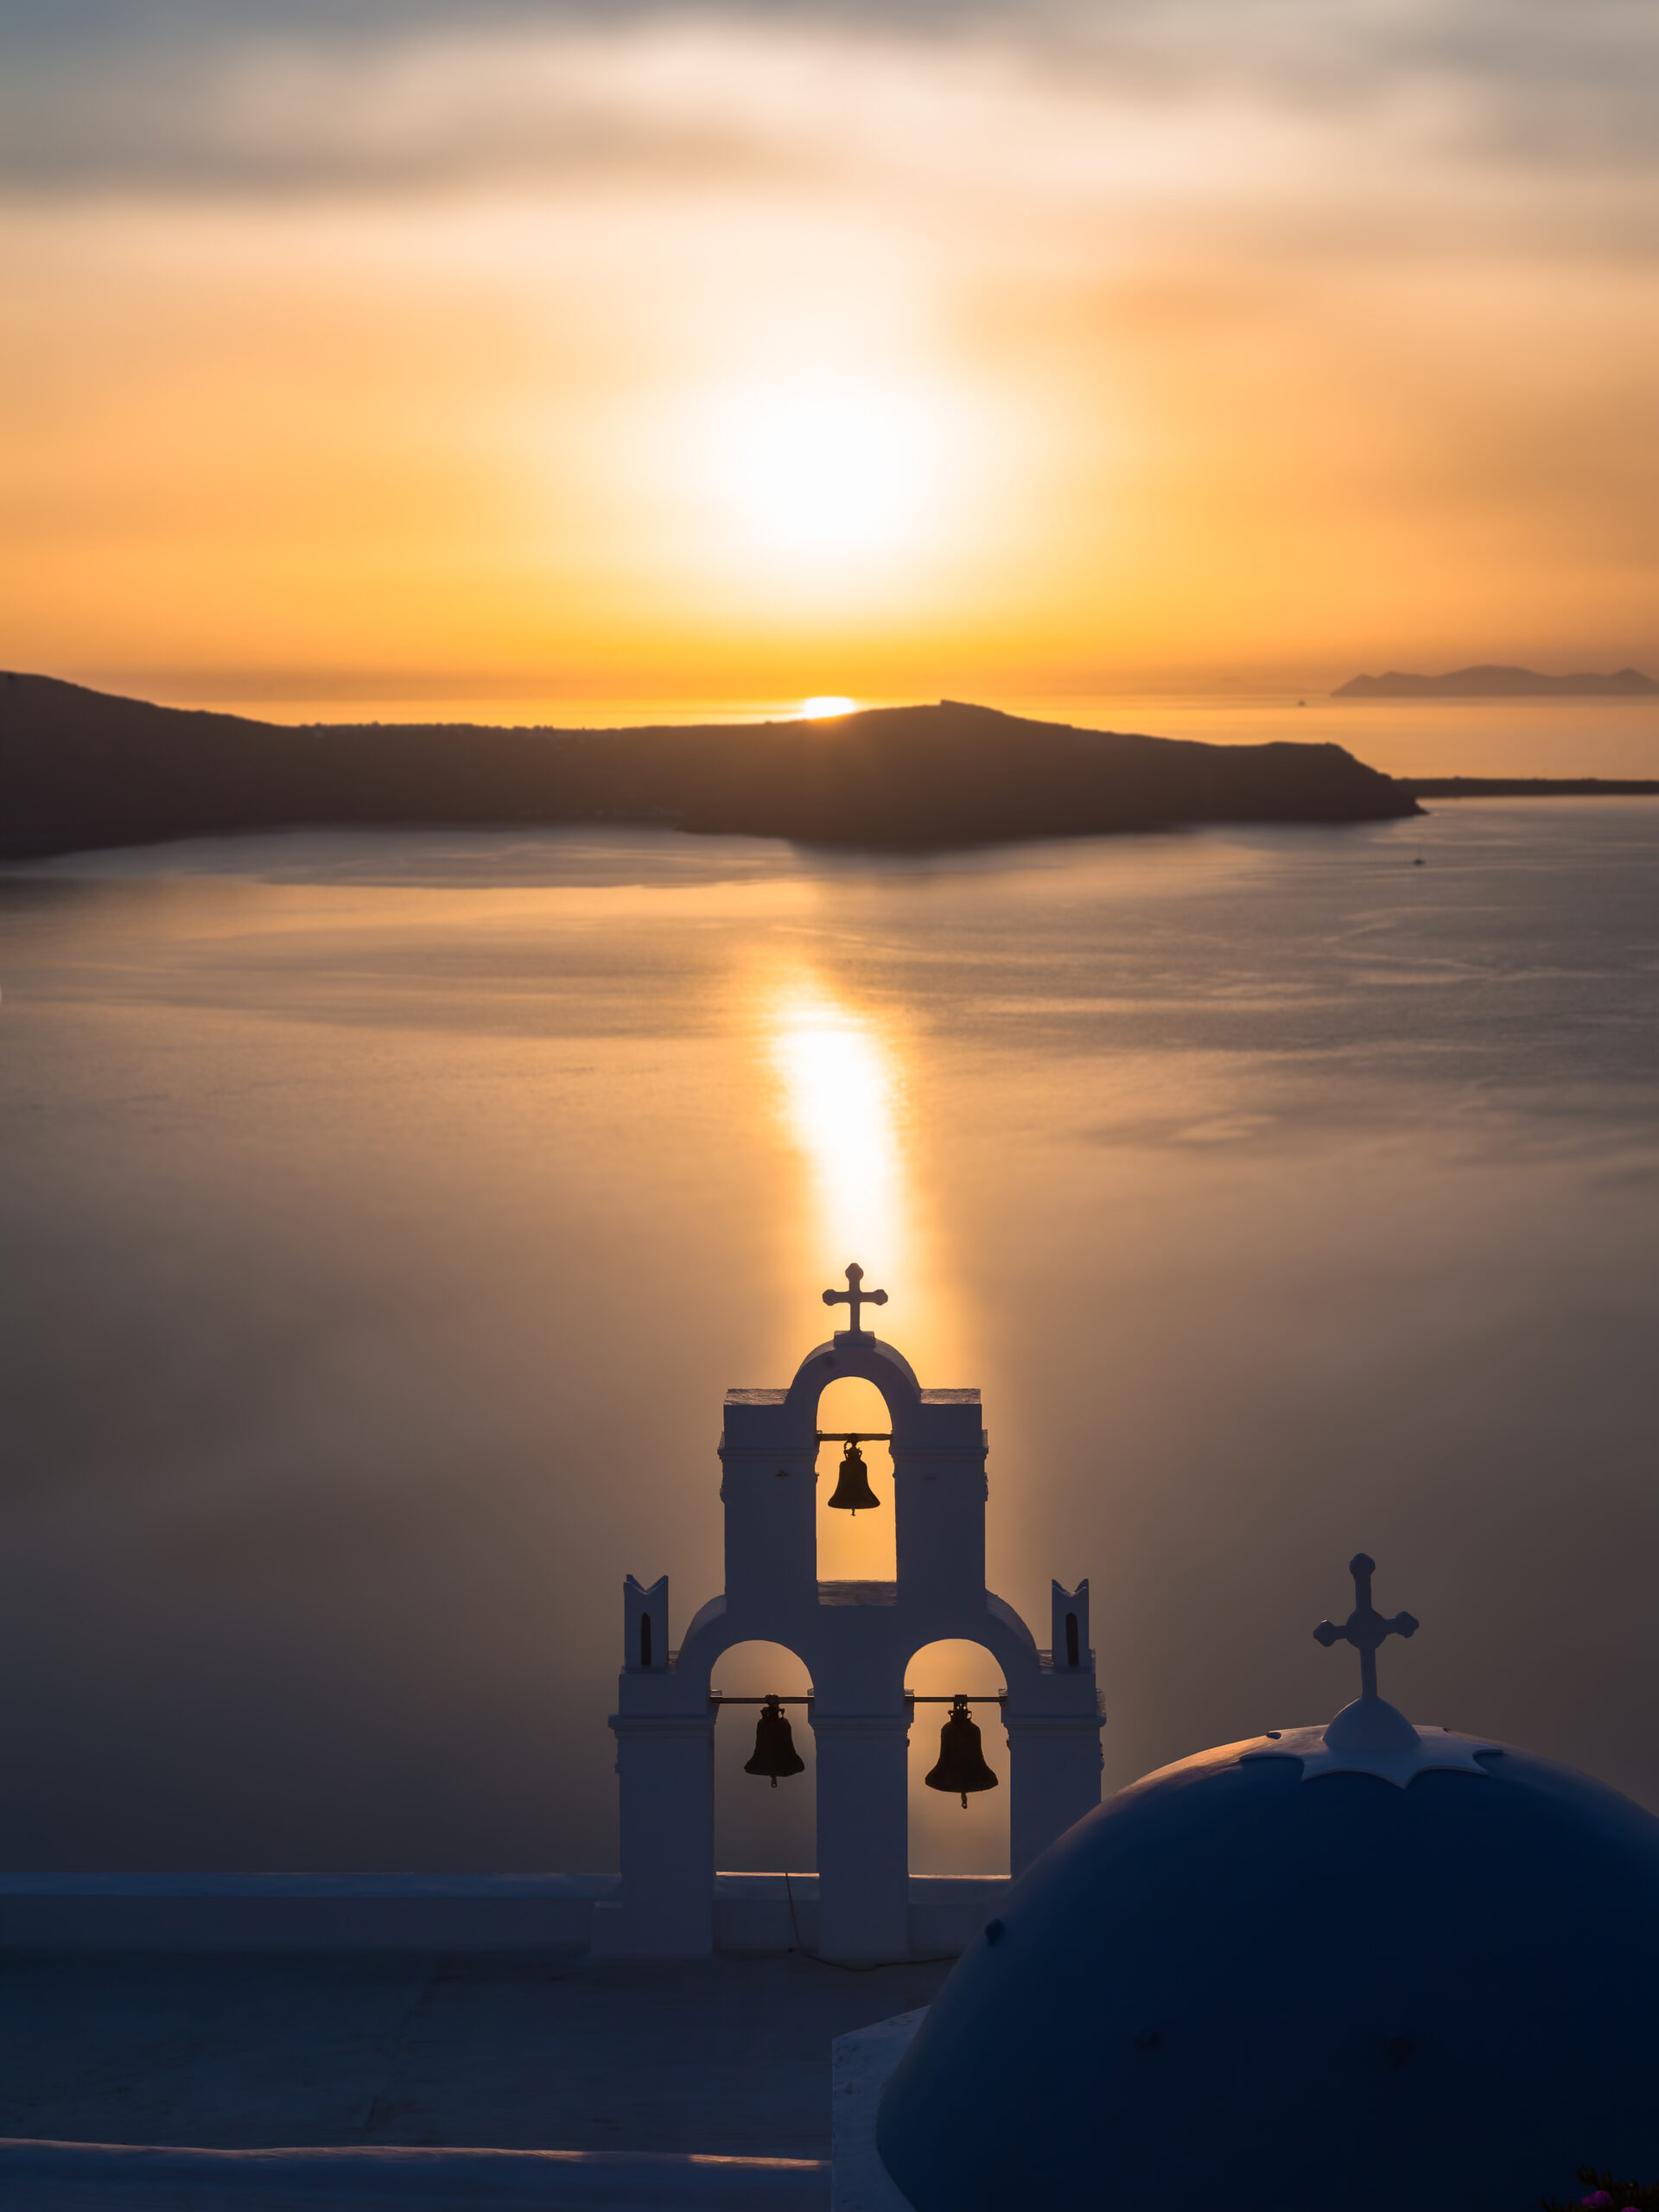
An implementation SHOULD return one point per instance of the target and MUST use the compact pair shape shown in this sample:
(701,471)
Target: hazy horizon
(1555,737)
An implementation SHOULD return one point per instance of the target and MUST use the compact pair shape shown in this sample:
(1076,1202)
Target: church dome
(1362,1968)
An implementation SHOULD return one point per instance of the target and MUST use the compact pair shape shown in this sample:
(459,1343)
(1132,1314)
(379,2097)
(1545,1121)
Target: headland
(81,769)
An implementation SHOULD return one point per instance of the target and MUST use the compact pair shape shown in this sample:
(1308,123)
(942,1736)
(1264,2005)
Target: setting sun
(826,706)
(826,467)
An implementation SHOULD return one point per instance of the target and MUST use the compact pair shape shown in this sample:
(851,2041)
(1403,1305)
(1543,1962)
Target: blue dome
(1264,1979)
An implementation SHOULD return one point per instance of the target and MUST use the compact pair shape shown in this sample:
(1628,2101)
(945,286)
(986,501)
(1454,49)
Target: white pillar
(665,1766)
(1056,1761)
(863,1836)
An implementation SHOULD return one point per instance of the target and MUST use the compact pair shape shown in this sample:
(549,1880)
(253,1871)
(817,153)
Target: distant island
(1490,682)
(80,769)
(1531,786)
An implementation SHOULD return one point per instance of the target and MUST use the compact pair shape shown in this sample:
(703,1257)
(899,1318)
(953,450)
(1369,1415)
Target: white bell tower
(855,1640)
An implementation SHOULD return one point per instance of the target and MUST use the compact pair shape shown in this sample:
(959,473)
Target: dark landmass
(80,769)
(1528,787)
(1499,683)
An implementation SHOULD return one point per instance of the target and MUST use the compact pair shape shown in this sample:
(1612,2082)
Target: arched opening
(945,1839)
(759,1829)
(860,1547)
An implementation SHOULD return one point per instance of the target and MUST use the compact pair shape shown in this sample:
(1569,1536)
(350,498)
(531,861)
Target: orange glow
(944,1837)
(841,1076)
(855,1547)
(694,356)
(839,1085)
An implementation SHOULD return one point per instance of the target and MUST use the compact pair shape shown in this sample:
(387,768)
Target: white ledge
(462,1913)
(166,2179)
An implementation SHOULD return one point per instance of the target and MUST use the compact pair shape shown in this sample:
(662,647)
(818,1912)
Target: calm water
(384,1217)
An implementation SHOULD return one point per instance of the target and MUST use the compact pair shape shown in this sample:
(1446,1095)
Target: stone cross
(1365,1627)
(855,1295)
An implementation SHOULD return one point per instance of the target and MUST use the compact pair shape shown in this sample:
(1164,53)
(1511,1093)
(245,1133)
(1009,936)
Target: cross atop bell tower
(854,1296)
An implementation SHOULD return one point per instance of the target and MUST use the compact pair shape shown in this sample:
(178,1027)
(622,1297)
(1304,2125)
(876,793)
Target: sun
(825,466)
(825,706)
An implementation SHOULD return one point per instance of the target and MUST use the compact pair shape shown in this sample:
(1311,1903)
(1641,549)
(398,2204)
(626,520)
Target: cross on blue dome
(1364,1628)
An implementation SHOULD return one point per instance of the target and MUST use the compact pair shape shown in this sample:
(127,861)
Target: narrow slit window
(644,1639)
(1071,1639)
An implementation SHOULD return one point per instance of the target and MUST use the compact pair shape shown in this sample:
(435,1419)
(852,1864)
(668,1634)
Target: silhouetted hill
(1488,683)
(78,769)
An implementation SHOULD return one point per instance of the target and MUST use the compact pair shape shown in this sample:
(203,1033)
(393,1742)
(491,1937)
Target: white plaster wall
(567,1913)
(300,1912)
(860,2064)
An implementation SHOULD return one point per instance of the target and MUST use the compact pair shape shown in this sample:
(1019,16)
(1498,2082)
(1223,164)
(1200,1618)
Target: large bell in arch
(853,1490)
(962,1769)
(774,1746)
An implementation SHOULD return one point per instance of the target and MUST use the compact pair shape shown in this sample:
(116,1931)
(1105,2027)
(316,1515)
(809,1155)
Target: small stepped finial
(1364,1628)
(855,1295)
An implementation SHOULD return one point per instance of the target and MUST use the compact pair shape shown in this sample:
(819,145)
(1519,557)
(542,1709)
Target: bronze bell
(775,1747)
(962,1763)
(852,1490)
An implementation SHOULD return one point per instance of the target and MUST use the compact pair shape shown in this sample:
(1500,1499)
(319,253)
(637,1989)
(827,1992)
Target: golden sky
(438,349)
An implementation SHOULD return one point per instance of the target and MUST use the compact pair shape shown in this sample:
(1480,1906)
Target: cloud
(279,95)
(287,117)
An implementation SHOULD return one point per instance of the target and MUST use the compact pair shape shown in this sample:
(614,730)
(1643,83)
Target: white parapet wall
(565,1913)
(779,1912)
(862,2062)
(299,1912)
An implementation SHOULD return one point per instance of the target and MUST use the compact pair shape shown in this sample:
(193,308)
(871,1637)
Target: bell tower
(855,1639)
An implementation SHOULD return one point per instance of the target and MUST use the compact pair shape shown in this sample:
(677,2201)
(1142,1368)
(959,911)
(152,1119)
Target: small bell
(962,1763)
(852,1490)
(774,1746)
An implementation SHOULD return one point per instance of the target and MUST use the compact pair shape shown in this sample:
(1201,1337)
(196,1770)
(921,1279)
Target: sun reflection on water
(843,1075)
(840,1088)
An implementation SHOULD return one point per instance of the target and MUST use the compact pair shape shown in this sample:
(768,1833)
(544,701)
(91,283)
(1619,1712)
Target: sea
(385,1215)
